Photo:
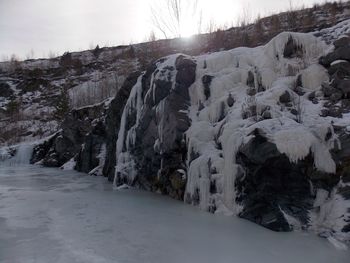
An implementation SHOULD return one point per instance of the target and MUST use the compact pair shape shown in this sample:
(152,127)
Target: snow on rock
(125,163)
(295,143)
(218,130)
(70,165)
(331,214)
(239,132)
(314,76)
(234,97)
(339,245)
(101,161)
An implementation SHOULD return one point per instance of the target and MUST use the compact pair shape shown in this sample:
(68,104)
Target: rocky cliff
(262,133)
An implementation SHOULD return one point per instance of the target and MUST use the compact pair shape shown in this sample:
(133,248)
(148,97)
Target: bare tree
(14,62)
(51,54)
(152,37)
(246,16)
(30,54)
(169,16)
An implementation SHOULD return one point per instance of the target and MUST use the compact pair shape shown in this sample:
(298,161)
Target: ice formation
(127,135)
(96,90)
(101,160)
(23,153)
(218,129)
(243,86)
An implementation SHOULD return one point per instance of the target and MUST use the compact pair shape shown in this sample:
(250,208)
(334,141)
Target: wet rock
(328,90)
(345,176)
(323,180)
(250,80)
(329,135)
(41,151)
(345,104)
(343,66)
(299,90)
(157,166)
(341,53)
(112,123)
(200,106)
(312,95)
(344,86)
(294,112)
(222,111)
(346,229)
(336,96)
(332,111)
(299,81)
(343,41)
(206,80)
(285,97)
(251,91)
(267,172)
(259,150)
(66,144)
(292,49)
(185,67)
(87,159)
(267,115)
(230,100)
(341,155)
(345,192)
(266,216)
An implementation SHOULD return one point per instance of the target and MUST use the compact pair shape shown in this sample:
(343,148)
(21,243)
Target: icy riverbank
(49,215)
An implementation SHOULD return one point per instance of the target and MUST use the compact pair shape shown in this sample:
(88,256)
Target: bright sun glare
(175,18)
(188,28)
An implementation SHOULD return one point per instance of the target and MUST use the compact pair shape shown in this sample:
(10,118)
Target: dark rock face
(285,97)
(343,67)
(84,132)
(341,52)
(272,186)
(230,100)
(338,89)
(86,159)
(66,144)
(112,123)
(342,42)
(41,151)
(342,158)
(206,80)
(159,148)
(250,80)
(292,49)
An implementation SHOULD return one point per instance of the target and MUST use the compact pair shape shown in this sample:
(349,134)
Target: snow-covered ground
(50,215)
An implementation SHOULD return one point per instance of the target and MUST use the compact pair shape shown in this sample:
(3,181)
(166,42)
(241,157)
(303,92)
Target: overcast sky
(70,25)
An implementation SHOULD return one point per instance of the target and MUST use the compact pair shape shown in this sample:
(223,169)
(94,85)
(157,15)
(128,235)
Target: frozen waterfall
(23,153)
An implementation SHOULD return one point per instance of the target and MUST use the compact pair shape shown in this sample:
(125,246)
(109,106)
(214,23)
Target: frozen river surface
(49,215)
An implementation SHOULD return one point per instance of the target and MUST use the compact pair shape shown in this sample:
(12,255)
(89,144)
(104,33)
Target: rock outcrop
(151,148)
(65,144)
(260,133)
